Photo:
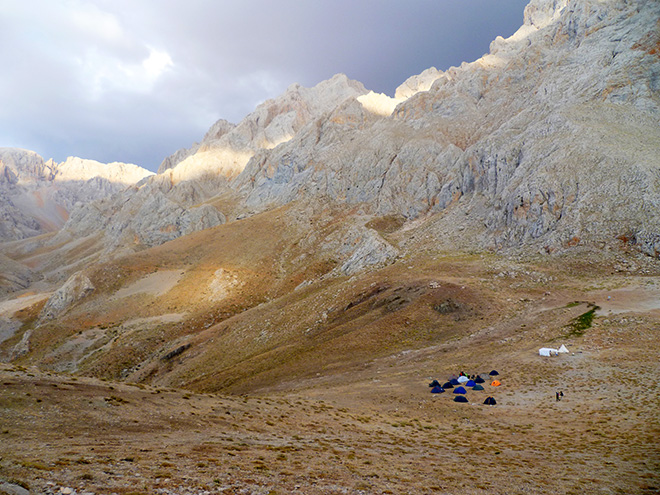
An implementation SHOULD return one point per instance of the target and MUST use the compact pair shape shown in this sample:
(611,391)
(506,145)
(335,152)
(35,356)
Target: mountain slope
(550,139)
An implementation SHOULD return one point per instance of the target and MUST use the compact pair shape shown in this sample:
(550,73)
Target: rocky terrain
(36,197)
(264,315)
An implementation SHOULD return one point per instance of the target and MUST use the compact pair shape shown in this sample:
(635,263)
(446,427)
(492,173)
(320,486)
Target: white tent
(563,350)
(463,379)
(547,351)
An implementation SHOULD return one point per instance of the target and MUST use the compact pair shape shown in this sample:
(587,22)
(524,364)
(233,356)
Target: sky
(135,80)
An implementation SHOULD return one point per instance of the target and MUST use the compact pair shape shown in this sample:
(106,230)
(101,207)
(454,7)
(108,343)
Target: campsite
(378,429)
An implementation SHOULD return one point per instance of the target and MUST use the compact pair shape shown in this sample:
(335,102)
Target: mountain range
(490,205)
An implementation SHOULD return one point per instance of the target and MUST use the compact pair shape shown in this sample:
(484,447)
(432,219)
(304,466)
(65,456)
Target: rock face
(548,141)
(167,206)
(36,196)
(145,215)
(76,288)
(555,133)
(226,148)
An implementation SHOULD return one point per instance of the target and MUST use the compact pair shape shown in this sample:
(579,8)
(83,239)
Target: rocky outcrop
(78,169)
(226,148)
(18,165)
(143,216)
(418,83)
(76,288)
(364,248)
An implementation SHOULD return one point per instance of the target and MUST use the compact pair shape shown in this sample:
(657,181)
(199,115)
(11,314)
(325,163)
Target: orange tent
(495,383)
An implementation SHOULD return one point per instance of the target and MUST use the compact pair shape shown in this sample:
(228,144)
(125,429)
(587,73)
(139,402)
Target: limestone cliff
(554,134)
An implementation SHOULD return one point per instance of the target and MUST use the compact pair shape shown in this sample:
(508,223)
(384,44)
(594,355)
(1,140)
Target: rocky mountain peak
(226,149)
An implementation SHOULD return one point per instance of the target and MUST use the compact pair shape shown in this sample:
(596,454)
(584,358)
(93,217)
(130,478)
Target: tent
(454,381)
(453,377)
(448,385)
(490,401)
(496,383)
(547,351)
(460,398)
(437,390)
(463,379)
(434,383)
(470,383)
(477,387)
(460,390)
(478,379)
(493,373)
(562,350)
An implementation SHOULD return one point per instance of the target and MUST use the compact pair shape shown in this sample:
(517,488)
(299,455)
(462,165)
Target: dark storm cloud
(125,80)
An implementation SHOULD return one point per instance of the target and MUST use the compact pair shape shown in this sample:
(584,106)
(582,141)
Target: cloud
(120,80)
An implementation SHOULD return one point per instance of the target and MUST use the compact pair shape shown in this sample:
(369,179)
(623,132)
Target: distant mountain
(548,141)
(36,196)
(172,203)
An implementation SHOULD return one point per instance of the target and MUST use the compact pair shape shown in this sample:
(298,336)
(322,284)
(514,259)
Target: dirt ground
(376,430)
(325,379)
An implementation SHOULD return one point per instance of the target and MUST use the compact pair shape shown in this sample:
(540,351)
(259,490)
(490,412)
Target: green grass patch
(579,324)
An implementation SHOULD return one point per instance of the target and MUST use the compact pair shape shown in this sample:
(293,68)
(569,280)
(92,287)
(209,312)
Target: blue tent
(454,381)
(478,379)
(434,383)
(460,390)
(437,390)
(493,373)
(477,387)
(460,398)
(448,385)
(470,383)
(490,401)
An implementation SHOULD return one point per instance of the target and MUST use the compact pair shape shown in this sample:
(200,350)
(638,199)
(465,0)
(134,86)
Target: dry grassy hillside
(325,377)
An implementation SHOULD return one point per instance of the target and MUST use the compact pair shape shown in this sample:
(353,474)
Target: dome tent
(434,383)
(460,398)
(478,379)
(454,381)
(493,373)
(447,385)
(490,401)
(437,390)
(496,383)
(470,383)
(477,387)
(460,390)
(462,379)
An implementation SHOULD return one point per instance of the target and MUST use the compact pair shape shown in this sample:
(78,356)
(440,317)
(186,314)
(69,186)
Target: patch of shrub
(580,323)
